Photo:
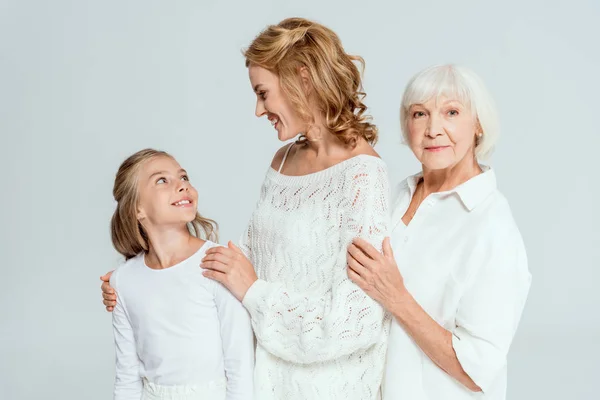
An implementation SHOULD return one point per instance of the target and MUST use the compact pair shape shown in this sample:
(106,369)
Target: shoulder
(366,167)
(125,271)
(497,226)
(278,158)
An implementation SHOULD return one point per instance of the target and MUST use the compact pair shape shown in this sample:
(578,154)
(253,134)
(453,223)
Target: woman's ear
(305,79)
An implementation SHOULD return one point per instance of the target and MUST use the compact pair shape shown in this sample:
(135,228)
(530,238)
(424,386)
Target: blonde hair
(295,43)
(463,85)
(128,236)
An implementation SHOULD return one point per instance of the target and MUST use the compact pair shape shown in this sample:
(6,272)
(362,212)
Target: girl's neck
(170,246)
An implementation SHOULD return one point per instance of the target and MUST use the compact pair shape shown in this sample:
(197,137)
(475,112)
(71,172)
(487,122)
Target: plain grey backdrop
(84,83)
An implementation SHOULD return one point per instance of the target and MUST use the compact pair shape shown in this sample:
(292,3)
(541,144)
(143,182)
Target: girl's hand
(230,267)
(108,293)
(375,273)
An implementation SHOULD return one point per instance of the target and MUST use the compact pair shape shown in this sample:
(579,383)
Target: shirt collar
(472,192)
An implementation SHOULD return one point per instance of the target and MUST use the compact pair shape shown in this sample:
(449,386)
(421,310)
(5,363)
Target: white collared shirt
(463,259)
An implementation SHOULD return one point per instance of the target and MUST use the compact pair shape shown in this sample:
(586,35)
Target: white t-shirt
(463,259)
(175,327)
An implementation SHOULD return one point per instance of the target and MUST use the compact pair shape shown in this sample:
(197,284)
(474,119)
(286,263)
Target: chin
(434,163)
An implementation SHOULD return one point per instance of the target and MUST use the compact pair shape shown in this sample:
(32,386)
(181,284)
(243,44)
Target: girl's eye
(185,178)
(161,180)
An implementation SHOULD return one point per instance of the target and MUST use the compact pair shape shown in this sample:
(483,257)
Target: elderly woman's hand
(375,273)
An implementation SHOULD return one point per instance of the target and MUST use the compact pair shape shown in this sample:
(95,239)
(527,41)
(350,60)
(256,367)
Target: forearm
(305,329)
(433,339)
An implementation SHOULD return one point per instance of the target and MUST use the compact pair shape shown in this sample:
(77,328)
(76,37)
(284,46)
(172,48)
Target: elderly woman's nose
(434,127)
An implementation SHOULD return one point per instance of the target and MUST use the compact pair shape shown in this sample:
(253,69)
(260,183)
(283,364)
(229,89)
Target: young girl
(178,335)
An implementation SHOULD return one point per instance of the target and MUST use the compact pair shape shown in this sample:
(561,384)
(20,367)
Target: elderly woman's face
(441,132)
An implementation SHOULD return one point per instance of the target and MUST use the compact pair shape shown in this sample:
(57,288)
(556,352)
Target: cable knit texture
(319,335)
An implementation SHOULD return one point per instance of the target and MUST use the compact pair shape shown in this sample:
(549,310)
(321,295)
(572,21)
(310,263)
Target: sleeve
(238,344)
(304,328)
(490,309)
(128,382)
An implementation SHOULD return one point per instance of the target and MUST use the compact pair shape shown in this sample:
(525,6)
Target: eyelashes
(163,180)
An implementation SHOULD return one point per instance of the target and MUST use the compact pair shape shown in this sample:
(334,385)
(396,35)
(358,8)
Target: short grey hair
(461,84)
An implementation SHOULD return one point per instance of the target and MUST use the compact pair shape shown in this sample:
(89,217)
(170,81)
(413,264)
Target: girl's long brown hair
(128,235)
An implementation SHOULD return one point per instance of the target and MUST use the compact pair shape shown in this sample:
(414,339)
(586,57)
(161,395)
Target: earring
(479,135)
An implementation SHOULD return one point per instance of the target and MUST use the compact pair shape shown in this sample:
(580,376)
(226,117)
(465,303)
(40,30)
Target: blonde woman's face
(441,132)
(272,102)
(166,197)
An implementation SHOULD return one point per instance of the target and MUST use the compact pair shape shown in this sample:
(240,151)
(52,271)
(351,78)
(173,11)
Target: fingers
(215,275)
(354,277)
(226,251)
(106,277)
(106,288)
(215,266)
(110,309)
(387,248)
(356,266)
(367,248)
(108,303)
(358,254)
(233,247)
(223,259)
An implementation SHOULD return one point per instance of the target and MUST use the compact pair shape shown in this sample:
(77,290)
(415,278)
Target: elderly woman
(454,274)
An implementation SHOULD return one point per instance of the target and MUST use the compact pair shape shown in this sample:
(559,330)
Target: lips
(436,148)
(274,119)
(182,202)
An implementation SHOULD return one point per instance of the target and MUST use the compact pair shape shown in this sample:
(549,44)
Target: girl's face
(272,102)
(166,197)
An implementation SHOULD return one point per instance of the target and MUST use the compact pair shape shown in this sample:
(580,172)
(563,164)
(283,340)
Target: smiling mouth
(182,203)
(274,121)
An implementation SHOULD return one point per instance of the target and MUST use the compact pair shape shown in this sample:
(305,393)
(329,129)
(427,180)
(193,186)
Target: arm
(304,328)
(238,344)
(128,383)
(491,309)
(433,339)
(475,350)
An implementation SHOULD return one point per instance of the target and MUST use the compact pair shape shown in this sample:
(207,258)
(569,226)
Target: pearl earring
(479,135)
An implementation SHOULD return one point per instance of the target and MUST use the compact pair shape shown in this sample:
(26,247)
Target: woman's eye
(418,114)
(263,95)
(161,180)
(185,178)
(453,113)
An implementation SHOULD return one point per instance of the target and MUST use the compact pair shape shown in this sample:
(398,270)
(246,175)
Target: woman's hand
(229,266)
(375,273)
(108,293)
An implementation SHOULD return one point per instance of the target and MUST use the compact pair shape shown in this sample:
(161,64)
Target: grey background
(83,84)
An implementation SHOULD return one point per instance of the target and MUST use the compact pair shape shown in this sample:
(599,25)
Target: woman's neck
(170,246)
(441,180)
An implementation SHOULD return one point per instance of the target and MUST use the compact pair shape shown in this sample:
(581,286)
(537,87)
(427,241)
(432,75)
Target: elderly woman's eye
(418,114)
(453,113)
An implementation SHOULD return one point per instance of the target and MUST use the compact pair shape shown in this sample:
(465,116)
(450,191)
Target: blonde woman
(178,335)
(319,335)
(454,274)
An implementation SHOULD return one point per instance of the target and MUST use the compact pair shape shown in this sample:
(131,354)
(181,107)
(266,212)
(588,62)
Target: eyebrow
(443,104)
(181,171)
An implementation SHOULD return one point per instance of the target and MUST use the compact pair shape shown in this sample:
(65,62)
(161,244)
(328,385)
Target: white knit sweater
(319,336)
